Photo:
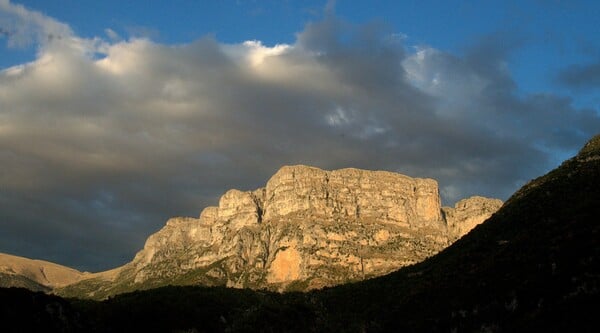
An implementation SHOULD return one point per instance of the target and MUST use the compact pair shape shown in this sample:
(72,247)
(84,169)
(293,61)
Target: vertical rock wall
(306,229)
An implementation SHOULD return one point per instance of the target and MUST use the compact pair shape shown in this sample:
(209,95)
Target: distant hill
(533,266)
(37,275)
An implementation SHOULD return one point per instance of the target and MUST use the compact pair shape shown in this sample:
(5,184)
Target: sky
(116,115)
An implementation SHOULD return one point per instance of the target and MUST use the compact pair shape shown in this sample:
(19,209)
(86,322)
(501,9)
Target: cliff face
(306,229)
(467,214)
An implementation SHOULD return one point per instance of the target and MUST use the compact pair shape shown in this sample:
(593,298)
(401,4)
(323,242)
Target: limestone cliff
(467,214)
(307,228)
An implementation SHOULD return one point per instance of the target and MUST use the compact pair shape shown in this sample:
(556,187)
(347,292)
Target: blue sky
(550,34)
(116,115)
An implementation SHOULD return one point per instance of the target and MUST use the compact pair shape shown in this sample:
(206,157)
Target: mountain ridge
(307,228)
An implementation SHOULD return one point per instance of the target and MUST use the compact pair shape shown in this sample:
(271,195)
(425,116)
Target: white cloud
(26,26)
(338,117)
(112,35)
(256,52)
(443,75)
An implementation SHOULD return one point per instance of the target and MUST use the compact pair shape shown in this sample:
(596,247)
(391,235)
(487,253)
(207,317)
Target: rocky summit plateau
(306,229)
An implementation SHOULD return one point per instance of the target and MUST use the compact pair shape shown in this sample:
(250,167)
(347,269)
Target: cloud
(24,27)
(113,35)
(581,76)
(102,141)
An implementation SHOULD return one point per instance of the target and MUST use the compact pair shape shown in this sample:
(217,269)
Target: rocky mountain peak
(307,228)
(351,194)
(467,214)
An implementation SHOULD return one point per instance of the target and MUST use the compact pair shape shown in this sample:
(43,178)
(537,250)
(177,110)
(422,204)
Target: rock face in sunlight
(467,214)
(35,274)
(308,228)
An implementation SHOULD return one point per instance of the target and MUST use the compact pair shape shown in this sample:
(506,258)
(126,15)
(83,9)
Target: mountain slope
(35,274)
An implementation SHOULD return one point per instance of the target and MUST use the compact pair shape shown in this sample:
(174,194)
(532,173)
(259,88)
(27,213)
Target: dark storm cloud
(101,142)
(581,76)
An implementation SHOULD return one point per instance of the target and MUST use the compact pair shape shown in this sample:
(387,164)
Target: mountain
(35,274)
(534,266)
(306,229)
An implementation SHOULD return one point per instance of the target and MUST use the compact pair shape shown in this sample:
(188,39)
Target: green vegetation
(16,280)
(533,266)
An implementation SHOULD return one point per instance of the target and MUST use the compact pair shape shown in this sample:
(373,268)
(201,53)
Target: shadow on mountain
(533,266)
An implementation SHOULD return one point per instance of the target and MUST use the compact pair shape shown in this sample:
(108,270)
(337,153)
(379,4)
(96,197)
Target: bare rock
(468,213)
(352,193)
(306,229)
(238,209)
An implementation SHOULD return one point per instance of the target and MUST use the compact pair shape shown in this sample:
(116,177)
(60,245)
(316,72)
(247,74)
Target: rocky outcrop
(352,194)
(306,229)
(467,214)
